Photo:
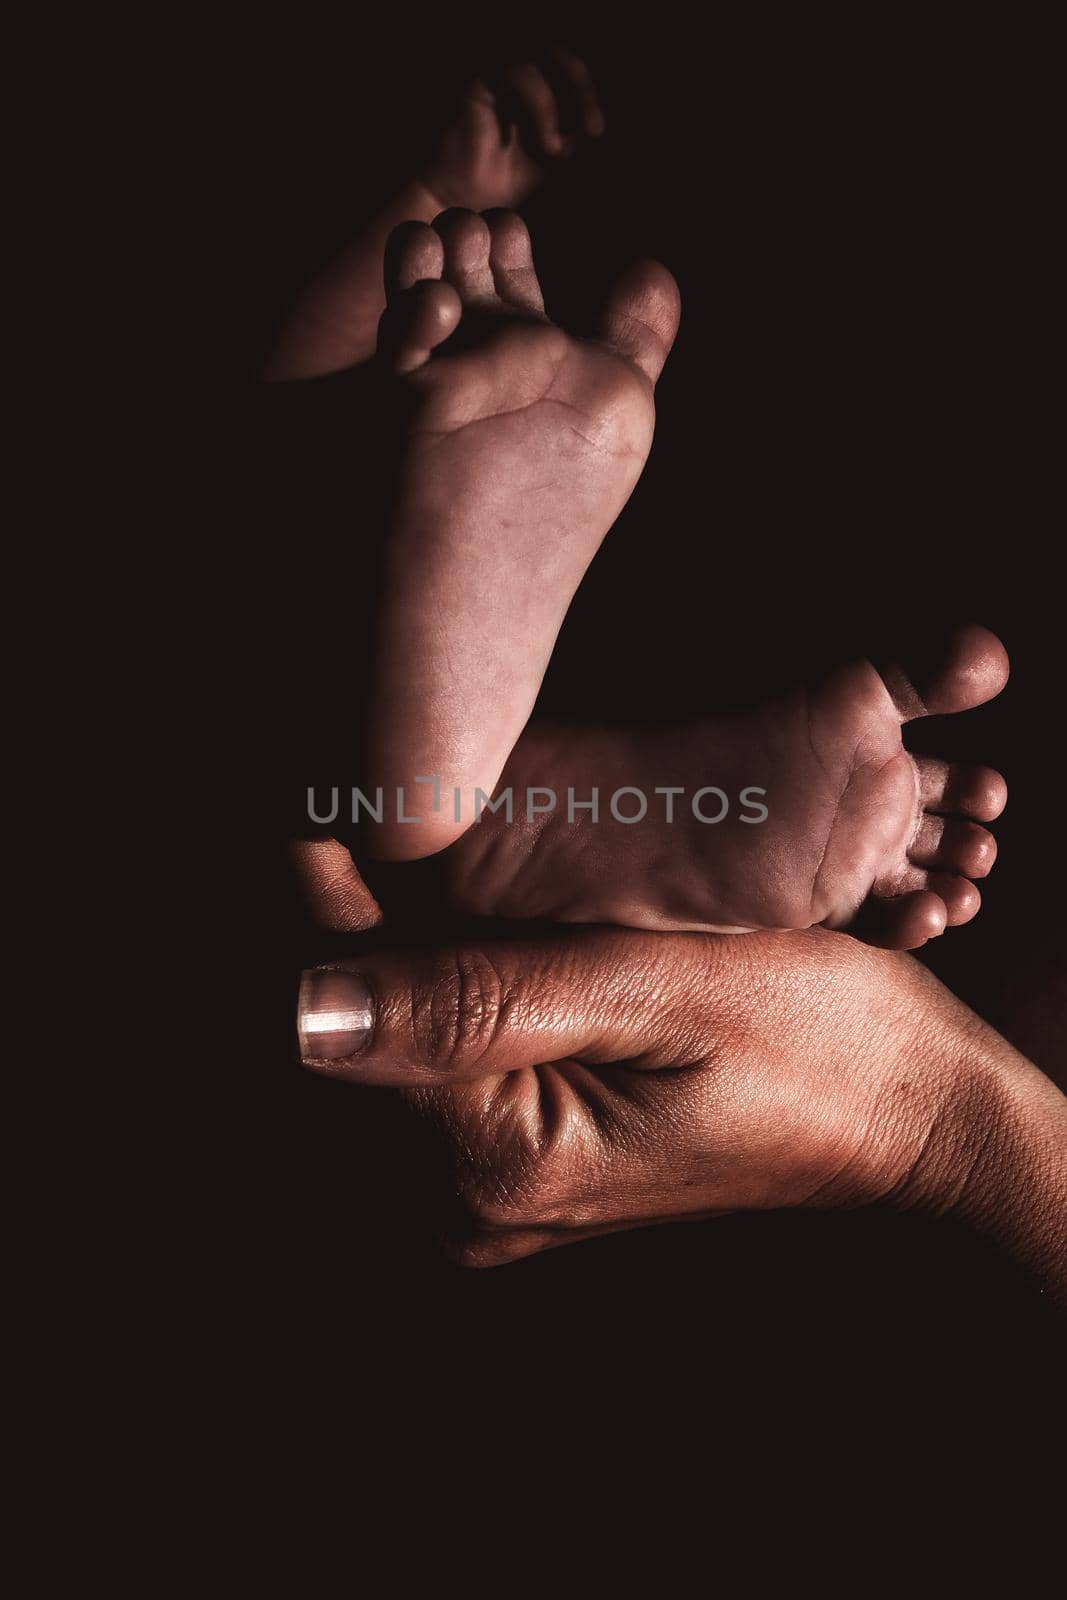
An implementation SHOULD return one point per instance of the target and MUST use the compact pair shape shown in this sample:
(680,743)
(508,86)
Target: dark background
(853,444)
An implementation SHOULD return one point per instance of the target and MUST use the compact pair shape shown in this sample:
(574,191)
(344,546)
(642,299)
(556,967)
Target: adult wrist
(1016,1193)
(995,1157)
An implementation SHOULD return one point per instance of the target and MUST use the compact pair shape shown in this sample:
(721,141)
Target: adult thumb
(471,1010)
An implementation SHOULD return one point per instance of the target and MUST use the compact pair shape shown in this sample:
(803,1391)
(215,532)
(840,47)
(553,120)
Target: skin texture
(859,835)
(595,1080)
(519,447)
(500,144)
(589,1081)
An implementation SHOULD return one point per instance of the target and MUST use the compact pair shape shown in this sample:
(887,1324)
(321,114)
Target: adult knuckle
(458,1011)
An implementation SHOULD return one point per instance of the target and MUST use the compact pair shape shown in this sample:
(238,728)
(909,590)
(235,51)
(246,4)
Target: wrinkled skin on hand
(592,1080)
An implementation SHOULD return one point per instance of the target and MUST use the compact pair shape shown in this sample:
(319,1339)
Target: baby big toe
(640,317)
(953,671)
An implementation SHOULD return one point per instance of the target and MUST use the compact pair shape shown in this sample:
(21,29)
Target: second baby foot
(855,832)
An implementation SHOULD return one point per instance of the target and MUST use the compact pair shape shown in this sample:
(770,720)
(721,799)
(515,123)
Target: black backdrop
(853,440)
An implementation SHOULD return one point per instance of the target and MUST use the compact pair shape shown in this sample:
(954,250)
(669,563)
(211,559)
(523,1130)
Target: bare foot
(497,148)
(858,834)
(504,140)
(521,446)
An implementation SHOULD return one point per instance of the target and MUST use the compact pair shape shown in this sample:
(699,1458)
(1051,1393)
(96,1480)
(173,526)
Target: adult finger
(471,1010)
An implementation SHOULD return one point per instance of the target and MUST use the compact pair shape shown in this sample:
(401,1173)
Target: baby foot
(858,833)
(504,139)
(498,147)
(520,447)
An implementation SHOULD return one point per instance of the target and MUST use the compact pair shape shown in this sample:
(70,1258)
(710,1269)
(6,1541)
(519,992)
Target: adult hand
(591,1080)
